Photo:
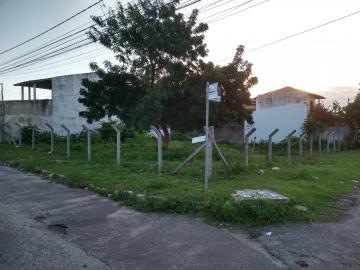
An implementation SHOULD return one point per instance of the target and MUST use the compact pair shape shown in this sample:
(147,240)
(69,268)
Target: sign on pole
(198,139)
(214,92)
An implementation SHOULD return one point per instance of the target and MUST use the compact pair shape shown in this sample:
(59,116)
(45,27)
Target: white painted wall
(284,117)
(66,108)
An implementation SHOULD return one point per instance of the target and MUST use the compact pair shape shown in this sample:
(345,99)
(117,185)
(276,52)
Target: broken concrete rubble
(258,194)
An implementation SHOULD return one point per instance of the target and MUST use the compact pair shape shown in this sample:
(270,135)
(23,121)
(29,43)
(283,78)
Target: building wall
(286,118)
(37,112)
(66,107)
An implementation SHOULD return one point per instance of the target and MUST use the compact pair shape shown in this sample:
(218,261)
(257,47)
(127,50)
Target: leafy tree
(321,117)
(352,112)
(160,78)
(152,43)
(186,106)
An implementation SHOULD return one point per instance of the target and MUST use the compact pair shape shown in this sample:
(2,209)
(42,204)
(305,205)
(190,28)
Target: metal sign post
(270,144)
(51,137)
(246,147)
(207,136)
(213,94)
(68,138)
(118,143)
(289,145)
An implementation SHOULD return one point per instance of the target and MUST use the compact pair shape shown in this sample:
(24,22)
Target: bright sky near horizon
(323,61)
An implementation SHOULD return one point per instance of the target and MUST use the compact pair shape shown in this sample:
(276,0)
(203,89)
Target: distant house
(62,109)
(285,109)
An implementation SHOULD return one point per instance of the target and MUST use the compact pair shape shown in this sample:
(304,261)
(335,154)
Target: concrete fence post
(88,131)
(9,132)
(289,145)
(339,143)
(320,138)
(159,147)
(20,134)
(254,144)
(68,138)
(328,142)
(270,144)
(51,137)
(334,141)
(311,141)
(118,143)
(301,146)
(246,147)
(33,129)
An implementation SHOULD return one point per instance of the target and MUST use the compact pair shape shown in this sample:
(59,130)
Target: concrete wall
(284,117)
(66,107)
(37,112)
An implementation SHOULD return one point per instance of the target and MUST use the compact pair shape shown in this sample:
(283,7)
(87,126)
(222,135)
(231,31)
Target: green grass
(315,184)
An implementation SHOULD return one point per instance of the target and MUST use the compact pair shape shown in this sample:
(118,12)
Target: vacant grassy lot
(316,183)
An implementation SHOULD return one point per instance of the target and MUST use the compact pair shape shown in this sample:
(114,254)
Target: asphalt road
(44,225)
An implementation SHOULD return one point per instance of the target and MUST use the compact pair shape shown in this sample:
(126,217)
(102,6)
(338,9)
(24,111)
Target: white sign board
(214,92)
(198,139)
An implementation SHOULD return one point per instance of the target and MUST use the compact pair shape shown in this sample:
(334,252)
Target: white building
(62,109)
(285,109)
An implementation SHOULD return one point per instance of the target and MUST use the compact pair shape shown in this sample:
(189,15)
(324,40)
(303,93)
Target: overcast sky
(325,60)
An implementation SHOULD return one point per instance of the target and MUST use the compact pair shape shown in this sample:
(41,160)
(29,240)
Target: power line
(19,64)
(51,28)
(43,47)
(298,33)
(228,9)
(222,17)
(49,55)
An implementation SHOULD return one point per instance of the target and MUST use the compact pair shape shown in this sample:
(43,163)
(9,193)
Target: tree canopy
(160,76)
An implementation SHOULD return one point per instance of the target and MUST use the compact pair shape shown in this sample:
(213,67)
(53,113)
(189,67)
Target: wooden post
(289,145)
(20,133)
(270,145)
(246,147)
(118,143)
(68,138)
